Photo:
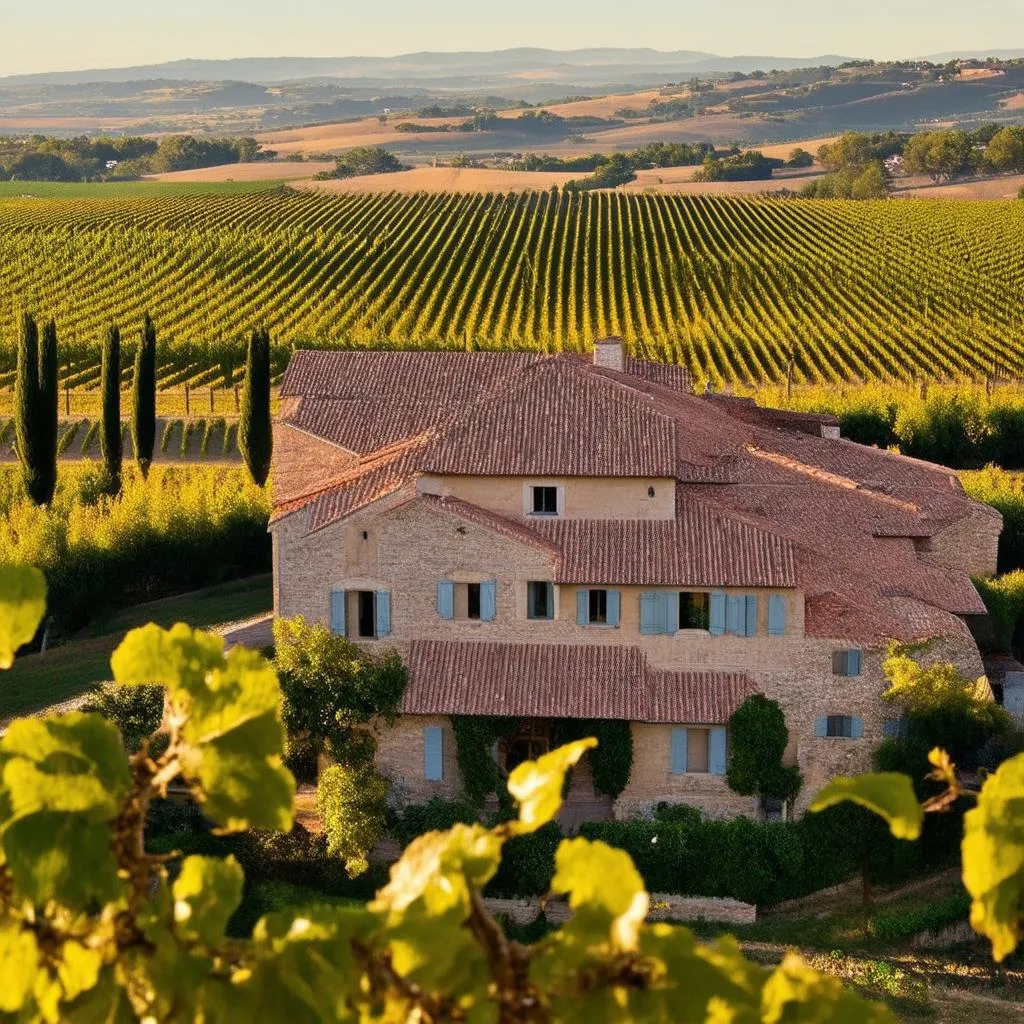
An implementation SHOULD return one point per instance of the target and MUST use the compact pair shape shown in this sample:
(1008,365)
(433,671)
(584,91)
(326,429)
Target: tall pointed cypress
(110,428)
(27,413)
(255,440)
(144,397)
(48,398)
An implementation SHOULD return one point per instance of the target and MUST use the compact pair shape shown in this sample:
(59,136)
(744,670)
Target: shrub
(677,814)
(527,864)
(182,528)
(1004,599)
(136,710)
(437,815)
(759,739)
(897,926)
(612,761)
(351,800)
(869,425)
(950,429)
(1005,493)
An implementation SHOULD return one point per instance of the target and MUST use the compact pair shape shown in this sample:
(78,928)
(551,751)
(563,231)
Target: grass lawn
(38,681)
(128,189)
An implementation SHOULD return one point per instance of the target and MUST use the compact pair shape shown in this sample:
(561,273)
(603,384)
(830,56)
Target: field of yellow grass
(370,131)
(261,170)
(446,179)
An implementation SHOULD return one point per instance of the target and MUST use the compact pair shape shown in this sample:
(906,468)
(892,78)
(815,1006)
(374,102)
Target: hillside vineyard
(732,288)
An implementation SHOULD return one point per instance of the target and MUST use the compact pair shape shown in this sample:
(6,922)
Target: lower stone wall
(664,907)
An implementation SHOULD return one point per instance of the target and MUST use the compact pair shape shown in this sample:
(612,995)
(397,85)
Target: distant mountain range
(571,66)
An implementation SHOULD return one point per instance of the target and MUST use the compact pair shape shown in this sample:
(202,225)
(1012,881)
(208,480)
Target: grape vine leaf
(231,708)
(797,994)
(206,893)
(993,858)
(61,784)
(22,606)
(537,785)
(19,965)
(889,794)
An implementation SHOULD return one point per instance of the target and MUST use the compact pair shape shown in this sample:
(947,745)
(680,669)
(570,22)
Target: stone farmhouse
(550,537)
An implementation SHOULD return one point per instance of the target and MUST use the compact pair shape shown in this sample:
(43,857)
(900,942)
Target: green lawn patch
(38,681)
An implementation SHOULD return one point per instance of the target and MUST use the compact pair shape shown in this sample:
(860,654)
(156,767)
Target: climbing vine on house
(611,764)
(475,736)
(758,738)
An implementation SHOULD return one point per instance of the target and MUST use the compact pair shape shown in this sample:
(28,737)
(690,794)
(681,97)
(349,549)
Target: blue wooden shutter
(551,600)
(383,612)
(433,753)
(338,612)
(776,615)
(678,752)
(671,612)
(716,751)
(857,729)
(750,619)
(853,663)
(614,603)
(716,624)
(735,613)
(649,609)
(489,600)
(446,599)
(891,728)
(821,726)
(582,607)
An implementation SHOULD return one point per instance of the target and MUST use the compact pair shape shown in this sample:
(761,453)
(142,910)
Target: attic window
(545,501)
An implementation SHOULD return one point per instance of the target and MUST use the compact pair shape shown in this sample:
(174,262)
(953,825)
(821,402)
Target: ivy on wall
(475,736)
(758,738)
(611,763)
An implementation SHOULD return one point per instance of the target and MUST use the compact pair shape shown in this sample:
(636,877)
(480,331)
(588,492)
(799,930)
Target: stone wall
(970,544)
(664,907)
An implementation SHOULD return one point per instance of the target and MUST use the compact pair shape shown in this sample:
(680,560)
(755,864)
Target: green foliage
(799,157)
(44,481)
(332,688)
(898,926)
(110,432)
(943,709)
(1005,493)
(255,439)
(748,166)
(363,160)
(942,155)
(436,815)
(888,794)
(29,415)
(475,736)
(144,397)
(759,738)
(611,763)
(352,802)
(1004,599)
(183,528)
(22,606)
(136,711)
(1005,150)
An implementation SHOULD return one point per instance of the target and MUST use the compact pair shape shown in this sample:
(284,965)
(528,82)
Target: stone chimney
(608,353)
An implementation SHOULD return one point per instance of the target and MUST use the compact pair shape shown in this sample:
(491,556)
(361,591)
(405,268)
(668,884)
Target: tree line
(36,409)
(42,158)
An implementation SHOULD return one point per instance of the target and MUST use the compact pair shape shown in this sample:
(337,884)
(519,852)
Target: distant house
(552,537)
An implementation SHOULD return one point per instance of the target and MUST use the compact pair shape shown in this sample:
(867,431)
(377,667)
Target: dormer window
(545,501)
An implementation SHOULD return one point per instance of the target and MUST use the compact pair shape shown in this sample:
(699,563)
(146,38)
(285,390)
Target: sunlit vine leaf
(537,785)
(206,893)
(888,794)
(993,858)
(22,606)
(796,994)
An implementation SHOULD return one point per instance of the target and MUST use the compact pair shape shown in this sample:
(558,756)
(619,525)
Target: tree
(255,439)
(1005,151)
(110,429)
(35,409)
(941,155)
(799,157)
(352,803)
(92,927)
(759,739)
(144,397)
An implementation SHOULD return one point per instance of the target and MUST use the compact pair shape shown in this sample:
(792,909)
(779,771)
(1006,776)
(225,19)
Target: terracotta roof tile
(562,681)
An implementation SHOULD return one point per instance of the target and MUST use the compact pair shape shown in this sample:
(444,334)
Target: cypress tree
(110,429)
(144,397)
(46,474)
(255,440)
(27,411)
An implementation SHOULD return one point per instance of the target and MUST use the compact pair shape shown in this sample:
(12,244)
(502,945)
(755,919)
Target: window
(476,601)
(846,663)
(698,751)
(472,600)
(540,600)
(545,501)
(366,618)
(597,607)
(694,610)
(531,740)
(845,727)
(366,612)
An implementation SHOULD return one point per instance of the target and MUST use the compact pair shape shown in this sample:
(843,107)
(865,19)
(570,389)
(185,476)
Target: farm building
(557,537)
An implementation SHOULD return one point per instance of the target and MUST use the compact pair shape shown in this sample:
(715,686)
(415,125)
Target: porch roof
(563,681)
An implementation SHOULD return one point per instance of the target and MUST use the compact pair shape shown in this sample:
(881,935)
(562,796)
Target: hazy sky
(44,35)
